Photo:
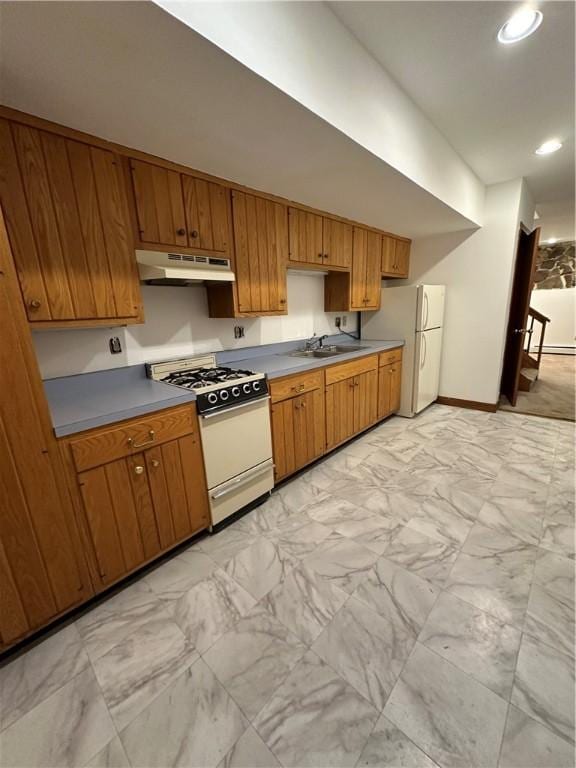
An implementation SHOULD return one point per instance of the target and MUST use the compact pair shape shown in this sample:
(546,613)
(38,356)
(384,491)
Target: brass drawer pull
(155,463)
(138,469)
(132,444)
(299,388)
(35,304)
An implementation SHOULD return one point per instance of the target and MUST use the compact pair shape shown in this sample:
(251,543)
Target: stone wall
(555,266)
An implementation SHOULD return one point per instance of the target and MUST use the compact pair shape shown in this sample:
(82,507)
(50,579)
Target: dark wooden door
(518,317)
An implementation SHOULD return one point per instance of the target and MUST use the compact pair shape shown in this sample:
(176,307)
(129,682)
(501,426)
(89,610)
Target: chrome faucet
(315,342)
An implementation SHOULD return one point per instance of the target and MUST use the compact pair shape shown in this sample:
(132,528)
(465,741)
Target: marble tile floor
(408,601)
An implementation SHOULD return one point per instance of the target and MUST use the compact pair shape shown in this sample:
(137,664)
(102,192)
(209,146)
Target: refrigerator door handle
(427,310)
(423,357)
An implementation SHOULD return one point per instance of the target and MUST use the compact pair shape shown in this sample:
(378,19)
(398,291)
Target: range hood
(162,268)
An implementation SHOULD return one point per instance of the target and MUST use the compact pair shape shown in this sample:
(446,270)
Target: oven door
(235,440)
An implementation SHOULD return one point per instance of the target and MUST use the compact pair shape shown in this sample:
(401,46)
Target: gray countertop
(90,400)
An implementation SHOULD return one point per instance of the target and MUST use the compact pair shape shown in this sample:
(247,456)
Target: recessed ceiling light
(552,145)
(519,26)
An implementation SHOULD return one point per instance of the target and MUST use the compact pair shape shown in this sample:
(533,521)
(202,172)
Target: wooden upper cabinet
(318,240)
(402,258)
(177,210)
(337,243)
(69,228)
(366,278)
(305,235)
(261,252)
(159,204)
(359,289)
(395,257)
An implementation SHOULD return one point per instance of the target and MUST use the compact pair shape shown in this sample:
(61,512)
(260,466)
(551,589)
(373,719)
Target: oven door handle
(223,411)
(250,474)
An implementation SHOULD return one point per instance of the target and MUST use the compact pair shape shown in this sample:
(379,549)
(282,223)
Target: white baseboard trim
(555,350)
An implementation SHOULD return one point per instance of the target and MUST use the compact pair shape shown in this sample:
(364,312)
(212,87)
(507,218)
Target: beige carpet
(553,394)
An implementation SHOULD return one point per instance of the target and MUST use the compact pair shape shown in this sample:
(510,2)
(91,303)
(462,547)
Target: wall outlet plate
(115,345)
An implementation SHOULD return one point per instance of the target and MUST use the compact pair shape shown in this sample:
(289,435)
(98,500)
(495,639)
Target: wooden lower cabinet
(389,380)
(144,503)
(298,432)
(351,407)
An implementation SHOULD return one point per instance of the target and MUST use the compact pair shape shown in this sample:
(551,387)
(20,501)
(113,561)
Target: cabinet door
(402,258)
(159,204)
(178,487)
(359,262)
(68,225)
(388,255)
(384,390)
(283,448)
(309,425)
(339,412)
(373,274)
(366,278)
(305,236)
(39,571)
(365,400)
(261,251)
(120,516)
(206,207)
(395,386)
(337,243)
(389,381)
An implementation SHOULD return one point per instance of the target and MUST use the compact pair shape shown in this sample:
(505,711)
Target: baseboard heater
(555,350)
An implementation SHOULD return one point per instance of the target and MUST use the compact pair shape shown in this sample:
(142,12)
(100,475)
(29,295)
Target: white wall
(177,323)
(307,52)
(559,304)
(477,268)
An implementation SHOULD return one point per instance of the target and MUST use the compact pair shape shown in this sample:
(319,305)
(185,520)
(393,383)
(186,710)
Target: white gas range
(234,415)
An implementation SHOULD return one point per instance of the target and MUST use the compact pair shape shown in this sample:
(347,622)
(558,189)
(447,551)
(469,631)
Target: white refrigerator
(414,313)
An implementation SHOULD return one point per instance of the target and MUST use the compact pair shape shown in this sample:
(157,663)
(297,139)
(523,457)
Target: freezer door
(430,312)
(426,368)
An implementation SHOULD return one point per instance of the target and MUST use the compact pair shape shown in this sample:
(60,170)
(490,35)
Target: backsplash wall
(177,323)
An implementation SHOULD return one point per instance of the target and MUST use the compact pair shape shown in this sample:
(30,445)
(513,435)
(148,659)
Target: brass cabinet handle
(35,304)
(132,444)
(320,255)
(138,469)
(303,405)
(299,388)
(194,233)
(155,463)
(181,231)
(282,301)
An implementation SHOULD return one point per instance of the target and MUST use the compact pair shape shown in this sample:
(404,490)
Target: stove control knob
(246,389)
(212,398)
(224,394)
(235,391)
(255,386)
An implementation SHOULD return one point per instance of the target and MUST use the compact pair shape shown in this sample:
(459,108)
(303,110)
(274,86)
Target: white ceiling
(494,103)
(131,73)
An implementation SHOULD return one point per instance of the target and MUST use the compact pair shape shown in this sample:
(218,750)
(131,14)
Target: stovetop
(204,378)
(216,387)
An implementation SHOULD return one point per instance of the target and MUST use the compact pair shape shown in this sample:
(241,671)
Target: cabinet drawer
(108,445)
(390,356)
(281,389)
(353,368)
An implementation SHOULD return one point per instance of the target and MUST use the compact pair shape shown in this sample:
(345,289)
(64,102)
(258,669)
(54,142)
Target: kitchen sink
(329,350)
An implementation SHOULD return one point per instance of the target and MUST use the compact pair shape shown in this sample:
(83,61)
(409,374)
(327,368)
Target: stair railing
(535,317)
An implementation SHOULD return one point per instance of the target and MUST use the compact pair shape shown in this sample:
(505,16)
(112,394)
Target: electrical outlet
(238,331)
(338,322)
(115,345)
